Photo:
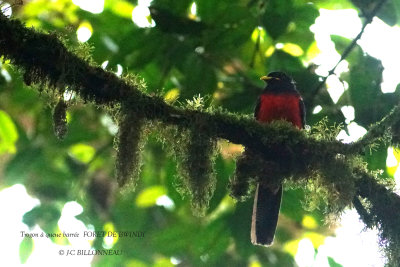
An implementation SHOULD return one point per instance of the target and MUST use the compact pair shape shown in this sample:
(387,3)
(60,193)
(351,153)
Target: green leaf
(25,249)
(168,22)
(278,14)
(283,61)
(333,263)
(388,12)
(223,169)
(214,10)
(82,152)
(148,196)
(122,8)
(8,134)
(18,168)
(198,77)
(177,7)
(329,4)
(396,5)
(341,43)
(169,235)
(136,263)
(213,241)
(45,215)
(291,204)
(299,28)
(369,102)
(163,262)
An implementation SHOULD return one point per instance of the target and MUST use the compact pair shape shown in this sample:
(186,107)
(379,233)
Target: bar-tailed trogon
(279,101)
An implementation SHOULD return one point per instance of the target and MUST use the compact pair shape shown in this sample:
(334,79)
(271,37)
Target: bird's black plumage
(279,100)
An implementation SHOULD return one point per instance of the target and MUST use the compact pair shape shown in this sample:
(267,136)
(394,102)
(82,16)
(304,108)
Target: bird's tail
(266,207)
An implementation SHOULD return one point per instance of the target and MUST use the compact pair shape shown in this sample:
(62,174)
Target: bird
(279,100)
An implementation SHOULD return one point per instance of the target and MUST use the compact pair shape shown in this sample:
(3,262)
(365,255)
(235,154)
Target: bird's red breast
(280,107)
(279,101)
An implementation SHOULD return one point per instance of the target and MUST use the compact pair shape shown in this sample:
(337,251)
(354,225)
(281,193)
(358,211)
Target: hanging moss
(129,144)
(194,152)
(60,119)
(197,170)
(330,169)
(380,208)
(240,183)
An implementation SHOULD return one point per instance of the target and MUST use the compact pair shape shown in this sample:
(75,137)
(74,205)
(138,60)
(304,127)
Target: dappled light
(317,109)
(5,8)
(305,253)
(166,202)
(335,88)
(141,14)
(93,6)
(84,32)
(348,112)
(139,133)
(355,132)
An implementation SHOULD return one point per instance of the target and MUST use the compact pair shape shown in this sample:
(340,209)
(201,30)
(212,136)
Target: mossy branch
(379,207)
(332,164)
(44,59)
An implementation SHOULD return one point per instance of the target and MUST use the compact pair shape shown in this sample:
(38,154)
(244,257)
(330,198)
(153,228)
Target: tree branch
(45,60)
(381,210)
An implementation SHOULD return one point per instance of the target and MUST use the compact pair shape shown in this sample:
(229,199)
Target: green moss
(129,143)
(379,208)
(275,153)
(241,184)
(322,131)
(198,172)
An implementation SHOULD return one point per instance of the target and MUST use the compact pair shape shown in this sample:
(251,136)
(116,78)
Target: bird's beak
(267,78)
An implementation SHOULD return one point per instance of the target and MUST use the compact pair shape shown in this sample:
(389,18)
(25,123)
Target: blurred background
(181,49)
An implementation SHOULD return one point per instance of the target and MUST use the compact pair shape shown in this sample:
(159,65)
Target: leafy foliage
(218,54)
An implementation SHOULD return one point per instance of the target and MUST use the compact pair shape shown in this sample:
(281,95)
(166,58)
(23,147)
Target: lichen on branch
(299,156)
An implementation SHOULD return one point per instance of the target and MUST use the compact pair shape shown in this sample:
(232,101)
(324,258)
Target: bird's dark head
(278,82)
(276,77)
